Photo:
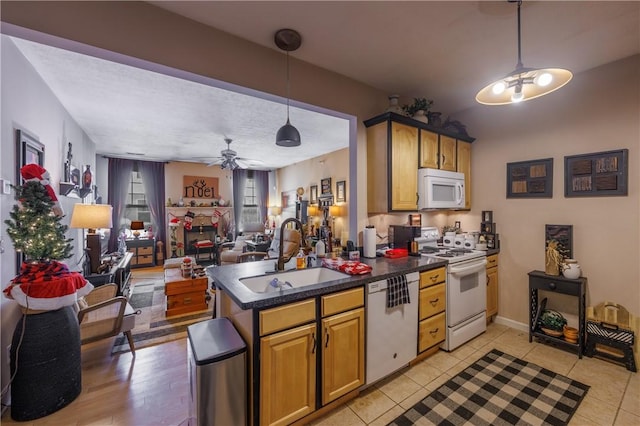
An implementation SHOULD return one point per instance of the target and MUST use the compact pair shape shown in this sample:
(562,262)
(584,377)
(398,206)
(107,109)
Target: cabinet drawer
(287,316)
(186,302)
(343,301)
(431,332)
(144,251)
(492,261)
(146,260)
(560,285)
(432,277)
(186,286)
(432,300)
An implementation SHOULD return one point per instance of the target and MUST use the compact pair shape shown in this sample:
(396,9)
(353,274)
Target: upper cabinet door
(404,167)
(447,153)
(428,149)
(464,166)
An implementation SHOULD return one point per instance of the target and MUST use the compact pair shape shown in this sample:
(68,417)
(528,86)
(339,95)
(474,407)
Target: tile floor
(614,397)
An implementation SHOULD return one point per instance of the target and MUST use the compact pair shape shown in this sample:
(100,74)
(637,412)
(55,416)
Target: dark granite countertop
(492,251)
(227,278)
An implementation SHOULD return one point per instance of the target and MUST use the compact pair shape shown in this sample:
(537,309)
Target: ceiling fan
(229,159)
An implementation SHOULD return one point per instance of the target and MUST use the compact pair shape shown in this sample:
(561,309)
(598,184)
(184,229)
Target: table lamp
(136,226)
(92,217)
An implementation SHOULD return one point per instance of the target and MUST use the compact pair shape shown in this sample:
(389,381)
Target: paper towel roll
(369,242)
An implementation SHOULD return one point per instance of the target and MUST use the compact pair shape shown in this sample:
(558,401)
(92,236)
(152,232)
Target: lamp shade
(137,225)
(334,211)
(91,216)
(274,210)
(288,136)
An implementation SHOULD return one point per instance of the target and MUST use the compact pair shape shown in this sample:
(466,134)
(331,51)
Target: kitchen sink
(295,279)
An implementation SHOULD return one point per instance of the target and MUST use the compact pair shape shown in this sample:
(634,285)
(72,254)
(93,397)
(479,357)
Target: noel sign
(199,187)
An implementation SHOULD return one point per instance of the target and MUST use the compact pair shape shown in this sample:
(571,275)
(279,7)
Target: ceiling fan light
(517,96)
(543,79)
(288,136)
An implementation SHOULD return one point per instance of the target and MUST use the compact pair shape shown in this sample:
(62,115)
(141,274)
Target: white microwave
(440,189)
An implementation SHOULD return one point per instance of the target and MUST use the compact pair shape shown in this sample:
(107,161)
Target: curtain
(261,179)
(152,174)
(119,176)
(239,181)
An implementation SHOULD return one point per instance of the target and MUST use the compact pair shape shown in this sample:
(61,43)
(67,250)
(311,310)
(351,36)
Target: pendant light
(523,84)
(288,40)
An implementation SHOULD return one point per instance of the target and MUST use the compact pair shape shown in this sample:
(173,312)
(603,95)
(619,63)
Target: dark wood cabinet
(144,252)
(538,280)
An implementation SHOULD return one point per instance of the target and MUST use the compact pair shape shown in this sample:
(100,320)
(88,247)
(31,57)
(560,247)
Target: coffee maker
(401,236)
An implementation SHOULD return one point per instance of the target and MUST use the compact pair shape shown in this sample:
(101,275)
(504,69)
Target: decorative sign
(200,187)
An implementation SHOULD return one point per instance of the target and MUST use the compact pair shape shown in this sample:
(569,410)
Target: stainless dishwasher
(392,333)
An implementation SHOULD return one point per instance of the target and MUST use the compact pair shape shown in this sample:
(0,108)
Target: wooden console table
(538,280)
(120,274)
(184,294)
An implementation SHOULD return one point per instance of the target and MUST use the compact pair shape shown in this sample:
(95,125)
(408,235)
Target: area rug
(499,389)
(152,326)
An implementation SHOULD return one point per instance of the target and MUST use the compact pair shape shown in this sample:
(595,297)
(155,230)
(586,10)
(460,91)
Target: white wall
(27,103)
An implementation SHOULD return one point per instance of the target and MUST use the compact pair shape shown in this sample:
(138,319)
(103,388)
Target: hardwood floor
(148,389)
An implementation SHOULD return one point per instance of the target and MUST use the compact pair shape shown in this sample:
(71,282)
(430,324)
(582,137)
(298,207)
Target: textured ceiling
(445,51)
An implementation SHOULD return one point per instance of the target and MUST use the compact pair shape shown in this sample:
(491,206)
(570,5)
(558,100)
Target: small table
(538,280)
(184,294)
(258,246)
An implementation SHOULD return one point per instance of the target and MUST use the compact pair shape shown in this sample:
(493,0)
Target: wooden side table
(184,294)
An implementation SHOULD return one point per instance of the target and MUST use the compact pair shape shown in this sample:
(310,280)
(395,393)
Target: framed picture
(313,194)
(74,175)
(340,191)
(28,150)
(563,235)
(325,186)
(530,179)
(595,175)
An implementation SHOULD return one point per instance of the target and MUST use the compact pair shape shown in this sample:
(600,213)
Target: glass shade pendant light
(288,40)
(523,84)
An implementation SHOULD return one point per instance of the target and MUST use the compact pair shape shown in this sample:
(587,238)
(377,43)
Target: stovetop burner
(450,254)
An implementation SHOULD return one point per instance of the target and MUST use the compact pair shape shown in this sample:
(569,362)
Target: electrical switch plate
(6,186)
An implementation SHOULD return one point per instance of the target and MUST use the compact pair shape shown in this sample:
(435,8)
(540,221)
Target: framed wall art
(29,150)
(563,236)
(313,194)
(325,186)
(341,191)
(530,179)
(597,174)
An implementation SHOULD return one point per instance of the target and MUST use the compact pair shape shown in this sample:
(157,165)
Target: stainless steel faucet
(281,261)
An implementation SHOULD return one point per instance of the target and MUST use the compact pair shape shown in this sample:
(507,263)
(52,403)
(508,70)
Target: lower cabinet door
(288,375)
(342,354)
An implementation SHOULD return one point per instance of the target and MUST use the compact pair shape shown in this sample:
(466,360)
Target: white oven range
(466,293)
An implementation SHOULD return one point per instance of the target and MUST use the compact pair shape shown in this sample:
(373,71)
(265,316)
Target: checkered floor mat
(499,389)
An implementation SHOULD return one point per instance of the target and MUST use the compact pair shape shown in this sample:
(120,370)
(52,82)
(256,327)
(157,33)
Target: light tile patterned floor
(614,397)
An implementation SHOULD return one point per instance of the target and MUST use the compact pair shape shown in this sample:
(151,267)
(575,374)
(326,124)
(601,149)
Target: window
(136,207)
(250,213)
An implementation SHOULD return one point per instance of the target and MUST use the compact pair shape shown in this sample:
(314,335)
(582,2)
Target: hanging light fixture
(288,40)
(523,84)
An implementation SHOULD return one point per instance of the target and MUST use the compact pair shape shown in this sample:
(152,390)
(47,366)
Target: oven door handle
(470,269)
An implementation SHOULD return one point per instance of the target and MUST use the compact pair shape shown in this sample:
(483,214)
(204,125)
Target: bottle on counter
(300,260)
(320,249)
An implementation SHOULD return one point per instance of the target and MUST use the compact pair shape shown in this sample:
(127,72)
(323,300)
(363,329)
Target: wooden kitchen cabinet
(396,147)
(464,166)
(431,309)
(343,344)
(288,375)
(492,287)
(392,167)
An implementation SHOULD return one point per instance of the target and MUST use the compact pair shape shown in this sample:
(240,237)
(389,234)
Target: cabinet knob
(552,286)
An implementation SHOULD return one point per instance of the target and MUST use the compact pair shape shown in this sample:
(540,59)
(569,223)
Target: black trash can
(217,373)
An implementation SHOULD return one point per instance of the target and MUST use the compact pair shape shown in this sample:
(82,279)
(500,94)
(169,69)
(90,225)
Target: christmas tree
(34,229)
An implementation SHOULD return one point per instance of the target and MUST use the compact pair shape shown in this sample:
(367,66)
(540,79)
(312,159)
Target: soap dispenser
(300,260)
(320,248)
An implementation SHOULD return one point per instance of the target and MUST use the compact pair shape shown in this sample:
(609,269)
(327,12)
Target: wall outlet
(6,186)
